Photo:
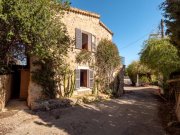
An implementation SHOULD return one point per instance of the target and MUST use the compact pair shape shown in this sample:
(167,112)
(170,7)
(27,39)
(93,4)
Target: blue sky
(130,20)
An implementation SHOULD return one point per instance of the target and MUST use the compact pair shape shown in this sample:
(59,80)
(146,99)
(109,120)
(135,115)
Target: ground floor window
(84,78)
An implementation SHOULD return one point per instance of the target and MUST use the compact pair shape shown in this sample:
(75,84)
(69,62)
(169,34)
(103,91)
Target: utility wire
(135,41)
(132,43)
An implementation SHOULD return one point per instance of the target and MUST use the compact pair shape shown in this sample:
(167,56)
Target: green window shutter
(78,35)
(89,42)
(77,73)
(90,78)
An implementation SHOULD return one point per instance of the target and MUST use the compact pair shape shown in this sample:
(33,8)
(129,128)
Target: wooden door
(24,85)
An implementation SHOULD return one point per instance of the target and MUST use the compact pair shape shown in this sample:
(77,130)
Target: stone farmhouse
(87,29)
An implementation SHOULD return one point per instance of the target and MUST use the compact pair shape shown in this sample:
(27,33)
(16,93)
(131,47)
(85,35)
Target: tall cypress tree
(171,10)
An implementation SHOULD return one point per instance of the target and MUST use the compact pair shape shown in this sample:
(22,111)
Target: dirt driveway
(136,113)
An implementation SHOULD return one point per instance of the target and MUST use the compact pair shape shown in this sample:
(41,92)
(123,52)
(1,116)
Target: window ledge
(83,89)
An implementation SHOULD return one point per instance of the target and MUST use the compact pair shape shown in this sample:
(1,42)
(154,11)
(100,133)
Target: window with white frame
(84,78)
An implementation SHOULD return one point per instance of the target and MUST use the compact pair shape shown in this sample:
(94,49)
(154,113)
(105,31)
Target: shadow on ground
(166,112)
(14,106)
(135,113)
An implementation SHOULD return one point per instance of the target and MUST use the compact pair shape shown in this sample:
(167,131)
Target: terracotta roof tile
(105,27)
(76,10)
(91,14)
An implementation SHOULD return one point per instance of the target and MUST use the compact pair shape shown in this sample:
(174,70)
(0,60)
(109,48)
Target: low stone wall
(5,90)
(175,86)
(178,107)
(82,92)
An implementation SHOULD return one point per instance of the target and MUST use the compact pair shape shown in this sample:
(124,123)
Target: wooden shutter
(93,43)
(78,38)
(77,76)
(90,78)
(89,42)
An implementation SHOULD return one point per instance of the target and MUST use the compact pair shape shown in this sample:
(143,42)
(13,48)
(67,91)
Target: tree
(29,27)
(171,10)
(137,68)
(33,27)
(161,56)
(107,62)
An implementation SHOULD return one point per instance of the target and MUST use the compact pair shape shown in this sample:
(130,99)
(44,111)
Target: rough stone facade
(5,89)
(84,21)
(87,22)
(34,90)
(120,90)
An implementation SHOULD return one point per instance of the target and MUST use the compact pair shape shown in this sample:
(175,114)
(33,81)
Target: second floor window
(85,40)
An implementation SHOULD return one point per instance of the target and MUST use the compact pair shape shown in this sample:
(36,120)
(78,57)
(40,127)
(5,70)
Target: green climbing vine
(44,76)
(107,62)
(84,57)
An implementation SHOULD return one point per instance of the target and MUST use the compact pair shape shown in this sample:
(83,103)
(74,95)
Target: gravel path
(136,113)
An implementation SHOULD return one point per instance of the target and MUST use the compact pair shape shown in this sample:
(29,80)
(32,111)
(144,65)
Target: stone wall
(175,86)
(118,83)
(121,83)
(5,89)
(73,19)
(35,90)
(85,21)
(178,107)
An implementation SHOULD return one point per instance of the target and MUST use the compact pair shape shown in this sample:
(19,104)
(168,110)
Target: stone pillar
(35,90)
(5,90)
(120,89)
(137,82)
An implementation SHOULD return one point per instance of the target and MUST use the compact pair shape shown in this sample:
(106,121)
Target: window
(85,40)
(84,78)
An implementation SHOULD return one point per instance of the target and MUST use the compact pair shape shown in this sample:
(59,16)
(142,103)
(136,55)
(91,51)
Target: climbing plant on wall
(54,63)
(107,62)
(26,25)
(32,28)
(84,57)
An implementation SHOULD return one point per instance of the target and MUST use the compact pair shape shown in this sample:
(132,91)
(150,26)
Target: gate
(20,83)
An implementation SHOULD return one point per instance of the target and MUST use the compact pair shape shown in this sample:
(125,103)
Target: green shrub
(107,62)
(44,76)
(144,79)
